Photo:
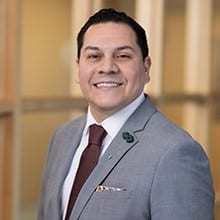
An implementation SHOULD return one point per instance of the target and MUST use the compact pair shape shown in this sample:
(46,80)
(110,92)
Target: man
(148,169)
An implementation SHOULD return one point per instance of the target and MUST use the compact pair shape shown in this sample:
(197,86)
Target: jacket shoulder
(67,127)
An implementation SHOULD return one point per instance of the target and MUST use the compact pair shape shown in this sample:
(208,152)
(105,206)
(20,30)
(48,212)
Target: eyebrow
(124,47)
(91,48)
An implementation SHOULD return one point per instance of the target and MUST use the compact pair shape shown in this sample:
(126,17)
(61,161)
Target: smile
(107,84)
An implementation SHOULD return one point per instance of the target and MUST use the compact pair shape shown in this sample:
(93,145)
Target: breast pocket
(108,205)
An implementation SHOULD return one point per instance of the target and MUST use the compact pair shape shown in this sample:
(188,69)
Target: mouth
(107,84)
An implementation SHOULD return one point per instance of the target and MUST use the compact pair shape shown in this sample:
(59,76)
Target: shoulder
(67,132)
(70,126)
(182,169)
(165,136)
(154,128)
(164,125)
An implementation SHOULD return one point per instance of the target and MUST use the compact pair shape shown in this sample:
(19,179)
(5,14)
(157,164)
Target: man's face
(111,69)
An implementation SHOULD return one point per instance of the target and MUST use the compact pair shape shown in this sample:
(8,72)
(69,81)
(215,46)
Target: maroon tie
(87,163)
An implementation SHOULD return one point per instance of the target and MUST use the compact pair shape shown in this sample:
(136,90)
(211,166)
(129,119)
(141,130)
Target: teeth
(105,84)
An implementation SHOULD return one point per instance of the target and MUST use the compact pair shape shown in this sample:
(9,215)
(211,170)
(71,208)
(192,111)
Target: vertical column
(197,67)
(9,127)
(150,14)
(12,137)
(198,46)
(13,91)
(2,96)
(2,48)
(87,7)
(1,168)
(78,17)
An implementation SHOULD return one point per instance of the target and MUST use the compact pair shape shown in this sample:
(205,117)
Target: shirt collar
(113,123)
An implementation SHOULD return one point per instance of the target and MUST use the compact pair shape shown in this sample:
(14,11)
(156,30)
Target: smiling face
(111,69)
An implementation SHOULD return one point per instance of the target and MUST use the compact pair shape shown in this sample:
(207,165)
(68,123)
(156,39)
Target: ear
(147,65)
(77,75)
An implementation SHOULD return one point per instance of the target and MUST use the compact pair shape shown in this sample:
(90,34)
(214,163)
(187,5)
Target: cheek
(77,78)
(137,77)
(82,80)
(83,75)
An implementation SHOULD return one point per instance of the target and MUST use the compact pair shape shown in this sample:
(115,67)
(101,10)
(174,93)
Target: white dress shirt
(111,125)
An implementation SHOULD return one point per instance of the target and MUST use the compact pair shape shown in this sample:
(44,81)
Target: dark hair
(111,15)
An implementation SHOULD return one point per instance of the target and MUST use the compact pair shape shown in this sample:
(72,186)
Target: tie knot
(96,134)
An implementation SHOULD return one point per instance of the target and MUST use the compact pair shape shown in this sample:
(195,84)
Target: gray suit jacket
(159,174)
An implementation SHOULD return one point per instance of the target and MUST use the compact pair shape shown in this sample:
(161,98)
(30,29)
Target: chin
(106,105)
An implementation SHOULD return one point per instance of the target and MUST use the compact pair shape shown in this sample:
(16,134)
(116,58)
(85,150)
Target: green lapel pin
(128,137)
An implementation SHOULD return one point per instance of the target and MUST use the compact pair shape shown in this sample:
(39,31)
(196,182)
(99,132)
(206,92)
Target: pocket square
(109,188)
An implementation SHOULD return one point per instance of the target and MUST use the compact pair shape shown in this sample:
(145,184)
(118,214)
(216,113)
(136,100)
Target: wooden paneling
(6,171)
(8,98)
(2,48)
(150,14)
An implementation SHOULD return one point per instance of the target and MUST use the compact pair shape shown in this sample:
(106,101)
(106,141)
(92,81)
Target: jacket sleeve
(182,187)
(48,203)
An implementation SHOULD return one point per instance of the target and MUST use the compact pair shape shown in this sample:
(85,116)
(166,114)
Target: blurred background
(38,90)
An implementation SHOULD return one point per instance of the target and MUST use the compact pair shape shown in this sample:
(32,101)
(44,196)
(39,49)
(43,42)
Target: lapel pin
(128,137)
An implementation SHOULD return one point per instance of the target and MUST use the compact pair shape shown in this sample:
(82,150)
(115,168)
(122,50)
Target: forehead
(109,33)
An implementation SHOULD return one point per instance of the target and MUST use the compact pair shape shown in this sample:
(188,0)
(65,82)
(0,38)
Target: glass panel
(1,167)
(6,141)
(123,5)
(45,47)
(216,47)
(37,129)
(174,32)
(174,111)
(2,49)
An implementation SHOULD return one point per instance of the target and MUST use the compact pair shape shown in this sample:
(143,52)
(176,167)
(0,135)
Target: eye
(123,56)
(93,56)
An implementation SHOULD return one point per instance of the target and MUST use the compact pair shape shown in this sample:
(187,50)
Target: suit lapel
(67,147)
(117,149)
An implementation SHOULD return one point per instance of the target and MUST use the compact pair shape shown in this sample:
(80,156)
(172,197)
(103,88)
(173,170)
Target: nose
(108,65)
